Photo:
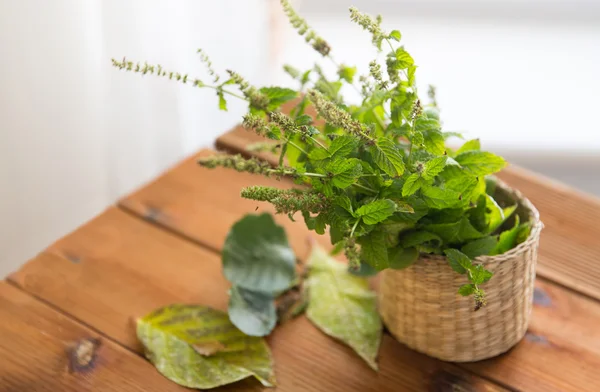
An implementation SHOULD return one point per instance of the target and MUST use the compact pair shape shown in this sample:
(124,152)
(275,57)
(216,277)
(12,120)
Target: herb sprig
(381,176)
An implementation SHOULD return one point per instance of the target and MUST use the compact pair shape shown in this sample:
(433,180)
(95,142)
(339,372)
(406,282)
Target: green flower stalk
(375,71)
(352,254)
(311,37)
(238,163)
(206,60)
(369,24)
(257,99)
(287,201)
(260,126)
(157,70)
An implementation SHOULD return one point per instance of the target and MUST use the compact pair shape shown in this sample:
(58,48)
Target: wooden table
(65,316)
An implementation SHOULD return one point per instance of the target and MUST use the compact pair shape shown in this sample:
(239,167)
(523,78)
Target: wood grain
(37,353)
(555,323)
(118,266)
(569,250)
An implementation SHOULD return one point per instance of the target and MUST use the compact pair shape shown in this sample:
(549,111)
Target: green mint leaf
(343,306)
(252,312)
(257,255)
(344,172)
(426,123)
(373,250)
(415,238)
(395,35)
(481,163)
(480,247)
(319,154)
(344,202)
(434,167)
(507,239)
(403,59)
(434,142)
(471,145)
(494,214)
(456,232)
(412,69)
(478,215)
(347,73)
(222,101)
(448,135)
(400,258)
(198,347)
(376,211)
(440,198)
(524,231)
(412,184)
(458,261)
(342,146)
(278,96)
(480,275)
(387,157)
(466,289)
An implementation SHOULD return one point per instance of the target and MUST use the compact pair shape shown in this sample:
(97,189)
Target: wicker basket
(421,308)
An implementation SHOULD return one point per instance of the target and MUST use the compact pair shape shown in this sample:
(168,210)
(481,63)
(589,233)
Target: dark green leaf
(252,312)
(441,197)
(373,250)
(400,258)
(455,233)
(466,289)
(342,146)
(481,163)
(376,211)
(198,347)
(415,238)
(387,156)
(480,247)
(344,202)
(344,172)
(365,270)
(257,255)
(458,261)
(507,239)
(478,215)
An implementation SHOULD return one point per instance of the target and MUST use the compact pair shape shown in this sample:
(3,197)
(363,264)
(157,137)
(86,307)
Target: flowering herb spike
(377,174)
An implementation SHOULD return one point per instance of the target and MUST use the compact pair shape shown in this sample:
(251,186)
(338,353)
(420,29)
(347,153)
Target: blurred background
(76,134)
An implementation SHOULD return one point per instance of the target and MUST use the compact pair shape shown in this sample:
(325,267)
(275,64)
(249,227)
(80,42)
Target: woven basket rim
(522,247)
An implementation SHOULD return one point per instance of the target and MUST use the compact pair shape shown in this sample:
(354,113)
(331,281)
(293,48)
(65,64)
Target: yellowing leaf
(177,339)
(343,306)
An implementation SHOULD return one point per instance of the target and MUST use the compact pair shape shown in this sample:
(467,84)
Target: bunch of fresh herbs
(380,175)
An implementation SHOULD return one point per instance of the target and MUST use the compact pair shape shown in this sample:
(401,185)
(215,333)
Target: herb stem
(297,146)
(314,175)
(354,227)
(226,92)
(356,184)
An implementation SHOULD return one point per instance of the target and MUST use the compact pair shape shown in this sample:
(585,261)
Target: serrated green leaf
(480,247)
(400,258)
(471,145)
(481,163)
(319,154)
(252,312)
(507,239)
(304,119)
(170,334)
(373,250)
(257,255)
(404,60)
(387,157)
(433,167)
(412,184)
(376,211)
(344,202)
(458,261)
(342,146)
(434,142)
(343,306)
(344,172)
(426,123)
(440,198)
(395,35)
(494,214)
(466,289)
(456,232)
(415,238)
(278,96)
(480,275)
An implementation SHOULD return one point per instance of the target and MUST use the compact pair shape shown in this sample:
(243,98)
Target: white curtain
(75,133)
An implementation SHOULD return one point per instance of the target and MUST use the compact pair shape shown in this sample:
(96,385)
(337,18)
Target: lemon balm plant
(381,180)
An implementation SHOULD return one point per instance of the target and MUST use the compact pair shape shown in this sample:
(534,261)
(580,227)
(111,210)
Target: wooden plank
(203,204)
(42,350)
(569,249)
(117,267)
(521,374)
